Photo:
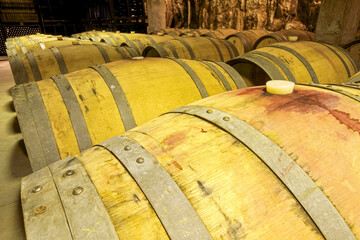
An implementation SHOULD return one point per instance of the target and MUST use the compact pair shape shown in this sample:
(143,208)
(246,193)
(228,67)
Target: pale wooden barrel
(282,36)
(171,31)
(141,43)
(245,40)
(195,32)
(43,64)
(300,62)
(70,113)
(193,48)
(245,164)
(116,39)
(220,33)
(47,43)
(354,49)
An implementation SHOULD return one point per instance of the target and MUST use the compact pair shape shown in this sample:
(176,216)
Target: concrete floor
(14,163)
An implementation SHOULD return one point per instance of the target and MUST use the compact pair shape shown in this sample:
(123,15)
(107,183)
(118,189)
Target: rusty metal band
(219,74)
(141,46)
(233,52)
(354,63)
(337,90)
(122,52)
(114,39)
(34,66)
(176,214)
(235,76)
(160,49)
(18,69)
(172,49)
(199,84)
(119,96)
(43,126)
(66,193)
(263,63)
(217,49)
(187,46)
(103,53)
(278,62)
(302,60)
(339,57)
(59,60)
(151,39)
(132,52)
(308,194)
(28,127)
(74,110)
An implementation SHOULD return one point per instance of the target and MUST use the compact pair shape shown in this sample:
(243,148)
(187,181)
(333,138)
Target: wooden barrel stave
(95,98)
(75,57)
(192,48)
(281,36)
(237,198)
(306,61)
(244,40)
(354,49)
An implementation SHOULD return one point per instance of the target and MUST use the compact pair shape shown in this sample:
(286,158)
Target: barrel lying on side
(69,113)
(244,164)
(354,49)
(140,44)
(41,45)
(300,62)
(245,40)
(195,32)
(220,33)
(116,39)
(354,80)
(171,31)
(282,36)
(35,66)
(193,48)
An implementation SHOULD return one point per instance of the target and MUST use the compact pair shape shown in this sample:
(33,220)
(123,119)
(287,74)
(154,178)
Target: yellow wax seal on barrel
(280,87)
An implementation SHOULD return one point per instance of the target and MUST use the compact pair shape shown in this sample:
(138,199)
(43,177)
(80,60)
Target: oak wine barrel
(282,36)
(220,33)
(354,49)
(245,40)
(195,32)
(171,31)
(299,62)
(116,39)
(43,64)
(244,164)
(140,44)
(69,113)
(21,49)
(193,48)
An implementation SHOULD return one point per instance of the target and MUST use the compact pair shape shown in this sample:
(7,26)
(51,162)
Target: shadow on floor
(20,164)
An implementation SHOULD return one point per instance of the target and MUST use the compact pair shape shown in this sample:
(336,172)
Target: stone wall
(243,14)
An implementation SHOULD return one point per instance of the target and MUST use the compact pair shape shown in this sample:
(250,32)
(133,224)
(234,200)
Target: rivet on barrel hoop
(209,111)
(127,148)
(36,189)
(140,160)
(226,118)
(69,172)
(41,209)
(77,191)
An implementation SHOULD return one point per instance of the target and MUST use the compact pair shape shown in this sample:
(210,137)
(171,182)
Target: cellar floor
(14,163)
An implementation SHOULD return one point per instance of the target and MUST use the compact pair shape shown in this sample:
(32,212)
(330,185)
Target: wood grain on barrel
(306,61)
(149,91)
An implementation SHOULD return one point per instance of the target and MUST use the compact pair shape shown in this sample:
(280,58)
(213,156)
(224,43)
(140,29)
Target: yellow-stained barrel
(69,113)
(244,164)
(299,62)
